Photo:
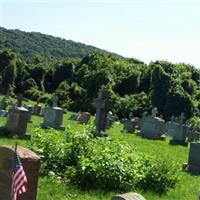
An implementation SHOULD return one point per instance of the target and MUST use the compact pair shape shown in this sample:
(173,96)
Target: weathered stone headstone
(130,125)
(31,164)
(152,127)
(109,120)
(179,133)
(83,117)
(128,196)
(103,105)
(17,120)
(193,164)
(53,117)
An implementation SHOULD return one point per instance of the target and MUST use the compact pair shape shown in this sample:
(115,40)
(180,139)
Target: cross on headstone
(19,100)
(55,101)
(103,105)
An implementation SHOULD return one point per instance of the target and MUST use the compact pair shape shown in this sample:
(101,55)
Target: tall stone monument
(53,116)
(17,120)
(103,105)
(31,164)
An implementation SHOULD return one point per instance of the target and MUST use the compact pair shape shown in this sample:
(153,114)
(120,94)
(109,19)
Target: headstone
(17,120)
(109,120)
(152,127)
(53,117)
(193,164)
(130,125)
(31,164)
(103,105)
(128,196)
(178,132)
(83,117)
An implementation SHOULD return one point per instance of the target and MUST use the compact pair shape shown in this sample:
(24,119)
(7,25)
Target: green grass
(51,189)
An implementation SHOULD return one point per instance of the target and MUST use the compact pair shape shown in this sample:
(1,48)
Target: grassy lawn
(51,189)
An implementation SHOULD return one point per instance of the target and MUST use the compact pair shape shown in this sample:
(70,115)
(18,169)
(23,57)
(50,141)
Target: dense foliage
(93,163)
(133,85)
(29,44)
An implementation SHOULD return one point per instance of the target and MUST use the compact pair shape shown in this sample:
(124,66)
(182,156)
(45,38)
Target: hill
(29,44)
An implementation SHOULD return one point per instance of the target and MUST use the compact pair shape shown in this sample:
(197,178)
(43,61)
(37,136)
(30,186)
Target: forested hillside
(29,44)
(134,86)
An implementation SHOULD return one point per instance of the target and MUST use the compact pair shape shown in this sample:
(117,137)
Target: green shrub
(98,163)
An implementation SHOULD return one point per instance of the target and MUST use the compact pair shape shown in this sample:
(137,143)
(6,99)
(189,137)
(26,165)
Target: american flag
(19,180)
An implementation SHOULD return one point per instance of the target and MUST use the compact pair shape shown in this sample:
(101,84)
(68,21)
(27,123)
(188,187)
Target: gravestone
(193,164)
(53,116)
(178,132)
(17,120)
(83,117)
(128,196)
(109,120)
(103,105)
(130,125)
(152,127)
(31,164)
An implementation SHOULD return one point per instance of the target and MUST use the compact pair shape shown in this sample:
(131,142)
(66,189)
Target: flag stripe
(19,180)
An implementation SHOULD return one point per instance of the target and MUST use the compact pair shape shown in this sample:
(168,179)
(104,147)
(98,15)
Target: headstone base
(99,134)
(178,142)
(162,137)
(57,128)
(191,168)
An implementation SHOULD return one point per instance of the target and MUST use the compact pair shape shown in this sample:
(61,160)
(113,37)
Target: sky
(148,30)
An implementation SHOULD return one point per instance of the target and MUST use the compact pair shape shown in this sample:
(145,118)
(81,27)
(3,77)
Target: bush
(98,163)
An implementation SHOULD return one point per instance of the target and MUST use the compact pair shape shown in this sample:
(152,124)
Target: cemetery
(80,122)
(30,152)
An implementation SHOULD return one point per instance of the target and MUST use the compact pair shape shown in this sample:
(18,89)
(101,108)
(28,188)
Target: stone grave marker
(53,116)
(128,196)
(109,120)
(83,117)
(130,125)
(103,105)
(152,127)
(193,164)
(31,164)
(17,120)
(178,131)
